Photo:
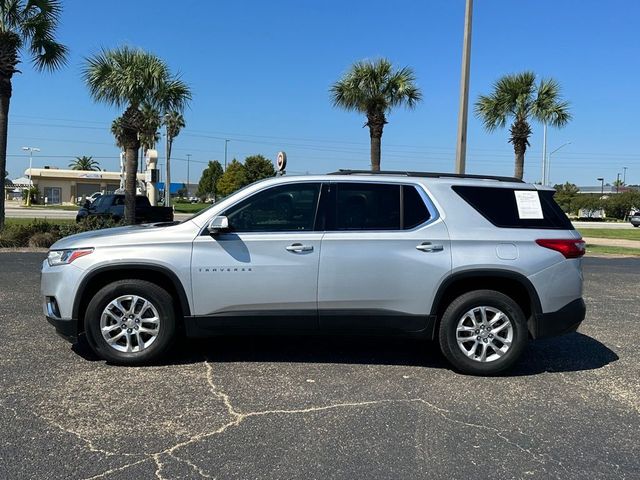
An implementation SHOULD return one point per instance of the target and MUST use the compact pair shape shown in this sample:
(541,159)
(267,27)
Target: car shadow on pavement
(568,353)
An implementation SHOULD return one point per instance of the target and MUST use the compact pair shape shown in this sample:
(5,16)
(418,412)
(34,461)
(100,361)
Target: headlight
(62,257)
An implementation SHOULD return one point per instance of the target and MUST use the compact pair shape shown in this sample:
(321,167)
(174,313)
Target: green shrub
(42,240)
(41,233)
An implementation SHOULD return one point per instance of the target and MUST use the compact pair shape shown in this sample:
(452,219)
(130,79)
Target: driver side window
(283,208)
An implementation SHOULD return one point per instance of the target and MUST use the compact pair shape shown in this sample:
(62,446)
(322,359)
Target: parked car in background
(112,206)
(635,219)
(94,196)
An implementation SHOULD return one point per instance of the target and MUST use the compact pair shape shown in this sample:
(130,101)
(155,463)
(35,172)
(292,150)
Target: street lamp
(546,181)
(624,176)
(188,160)
(601,180)
(30,150)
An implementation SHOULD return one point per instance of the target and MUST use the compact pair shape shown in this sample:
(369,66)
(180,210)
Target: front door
(263,272)
(383,255)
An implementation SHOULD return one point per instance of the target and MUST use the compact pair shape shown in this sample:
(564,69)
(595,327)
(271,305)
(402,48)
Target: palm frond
(374,86)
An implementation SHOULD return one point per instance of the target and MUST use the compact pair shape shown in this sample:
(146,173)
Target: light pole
(544,153)
(461,144)
(601,180)
(30,150)
(225,154)
(549,161)
(618,184)
(188,160)
(624,176)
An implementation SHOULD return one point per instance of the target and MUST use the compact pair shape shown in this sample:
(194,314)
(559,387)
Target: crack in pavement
(237,417)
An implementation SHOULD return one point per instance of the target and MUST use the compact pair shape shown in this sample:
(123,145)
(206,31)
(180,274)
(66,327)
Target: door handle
(429,247)
(298,247)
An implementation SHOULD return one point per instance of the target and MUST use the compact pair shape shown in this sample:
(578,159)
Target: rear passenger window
(415,212)
(498,205)
(367,206)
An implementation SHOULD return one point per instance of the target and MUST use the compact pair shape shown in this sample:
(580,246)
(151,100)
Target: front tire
(483,332)
(130,322)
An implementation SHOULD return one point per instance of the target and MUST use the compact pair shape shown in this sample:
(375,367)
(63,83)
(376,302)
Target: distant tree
(258,167)
(618,184)
(173,122)
(209,179)
(565,194)
(518,98)
(182,191)
(27,27)
(149,134)
(84,163)
(232,179)
(589,203)
(131,78)
(619,205)
(375,88)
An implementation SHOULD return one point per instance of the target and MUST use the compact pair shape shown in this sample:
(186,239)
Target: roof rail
(425,174)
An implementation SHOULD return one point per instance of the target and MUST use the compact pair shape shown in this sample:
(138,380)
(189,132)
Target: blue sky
(261,71)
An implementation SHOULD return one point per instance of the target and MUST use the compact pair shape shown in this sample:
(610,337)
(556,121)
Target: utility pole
(461,144)
(188,160)
(225,154)
(544,153)
(167,153)
(30,150)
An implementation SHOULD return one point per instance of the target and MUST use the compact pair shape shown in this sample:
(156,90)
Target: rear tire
(130,322)
(483,332)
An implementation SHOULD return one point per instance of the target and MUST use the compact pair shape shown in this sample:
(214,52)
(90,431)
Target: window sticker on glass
(528,203)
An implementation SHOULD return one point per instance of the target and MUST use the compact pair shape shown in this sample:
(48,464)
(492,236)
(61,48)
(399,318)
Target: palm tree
(374,88)
(517,97)
(27,27)
(84,163)
(174,122)
(149,135)
(132,78)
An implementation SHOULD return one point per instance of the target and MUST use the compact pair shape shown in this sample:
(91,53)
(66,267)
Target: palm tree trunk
(375,122)
(130,184)
(167,181)
(5,97)
(520,132)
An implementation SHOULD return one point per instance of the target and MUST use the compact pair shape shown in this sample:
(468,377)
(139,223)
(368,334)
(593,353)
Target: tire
(142,339)
(502,338)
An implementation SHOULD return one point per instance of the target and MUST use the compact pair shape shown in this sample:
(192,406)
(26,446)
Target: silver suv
(480,264)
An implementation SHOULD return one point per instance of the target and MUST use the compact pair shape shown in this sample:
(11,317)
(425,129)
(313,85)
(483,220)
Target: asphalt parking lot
(326,408)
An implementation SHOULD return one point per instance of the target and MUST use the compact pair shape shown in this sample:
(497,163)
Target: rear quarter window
(498,205)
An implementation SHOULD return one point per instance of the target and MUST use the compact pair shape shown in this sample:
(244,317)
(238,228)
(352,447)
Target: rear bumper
(67,328)
(565,320)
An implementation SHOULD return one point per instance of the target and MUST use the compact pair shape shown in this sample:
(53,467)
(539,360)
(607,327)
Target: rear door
(383,255)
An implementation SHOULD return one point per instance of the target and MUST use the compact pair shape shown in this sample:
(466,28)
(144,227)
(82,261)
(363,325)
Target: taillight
(570,248)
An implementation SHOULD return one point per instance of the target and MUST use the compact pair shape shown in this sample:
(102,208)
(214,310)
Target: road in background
(304,408)
(52,213)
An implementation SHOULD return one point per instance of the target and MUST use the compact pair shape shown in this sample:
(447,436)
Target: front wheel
(130,322)
(483,332)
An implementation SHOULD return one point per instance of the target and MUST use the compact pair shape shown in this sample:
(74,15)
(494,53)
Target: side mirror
(218,224)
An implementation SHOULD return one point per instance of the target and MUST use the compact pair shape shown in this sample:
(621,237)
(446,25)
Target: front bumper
(565,320)
(67,328)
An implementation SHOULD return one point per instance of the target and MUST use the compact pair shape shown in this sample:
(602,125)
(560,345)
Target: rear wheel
(130,322)
(483,332)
